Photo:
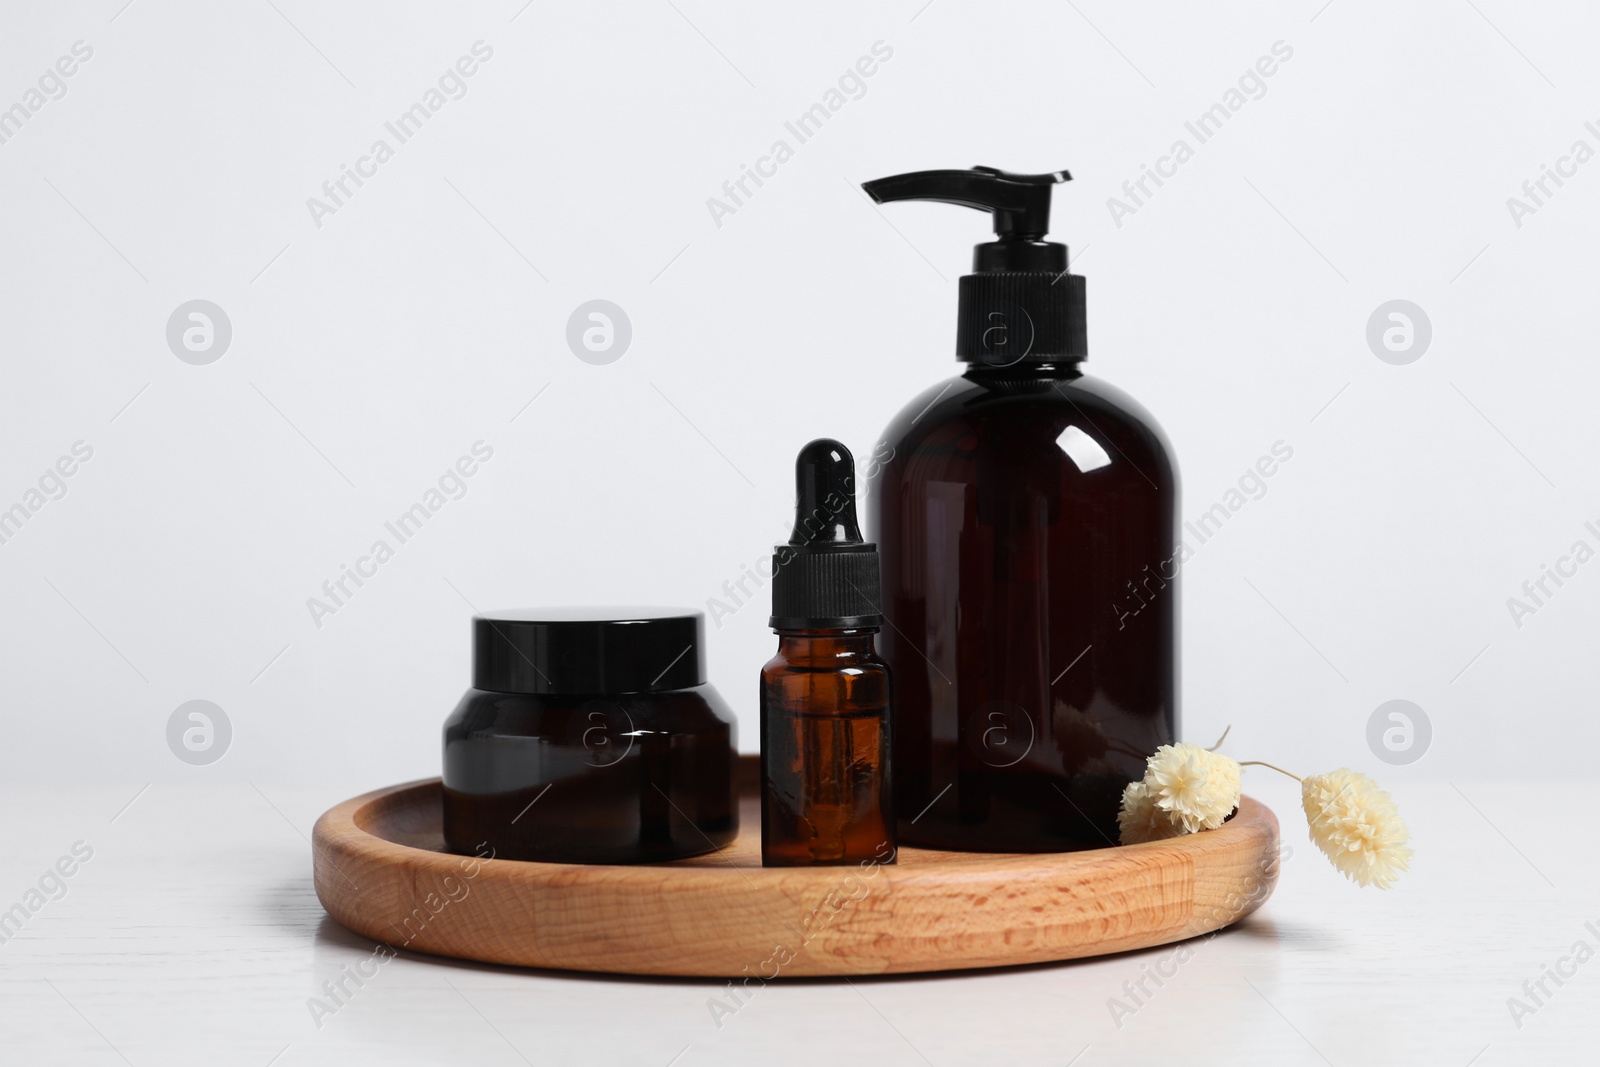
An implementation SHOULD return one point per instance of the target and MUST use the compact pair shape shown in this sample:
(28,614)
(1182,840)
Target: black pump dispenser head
(1020,204)
(1019,303)
(826,577)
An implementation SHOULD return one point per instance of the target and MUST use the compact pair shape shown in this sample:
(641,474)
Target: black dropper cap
(1019,304)
(826,577)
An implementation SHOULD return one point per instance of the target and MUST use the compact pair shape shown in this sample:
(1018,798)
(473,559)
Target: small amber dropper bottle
(825,789)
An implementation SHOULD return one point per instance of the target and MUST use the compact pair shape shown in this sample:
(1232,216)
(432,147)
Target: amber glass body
(635,778)
(1032,605)
(826,795)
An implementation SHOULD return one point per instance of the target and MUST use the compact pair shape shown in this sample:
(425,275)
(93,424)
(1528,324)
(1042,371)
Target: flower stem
(1259,763)
(1221,739)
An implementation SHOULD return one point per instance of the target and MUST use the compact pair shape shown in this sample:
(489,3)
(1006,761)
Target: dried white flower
(1187,788)
(1195,788)
(1357,825)
(1140,819)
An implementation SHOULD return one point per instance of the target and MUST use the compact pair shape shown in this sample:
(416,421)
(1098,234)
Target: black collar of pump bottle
(1012,316)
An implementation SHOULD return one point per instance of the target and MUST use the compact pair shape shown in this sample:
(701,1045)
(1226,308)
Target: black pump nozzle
(1020,204)
(826,577)
(1019,302)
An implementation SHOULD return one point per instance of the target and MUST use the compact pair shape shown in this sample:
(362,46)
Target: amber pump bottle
(1027,517)
(825,787)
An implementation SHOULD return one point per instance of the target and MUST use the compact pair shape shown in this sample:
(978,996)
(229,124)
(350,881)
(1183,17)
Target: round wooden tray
(381,870)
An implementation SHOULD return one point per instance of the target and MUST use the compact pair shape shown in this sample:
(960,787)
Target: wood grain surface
(381,870)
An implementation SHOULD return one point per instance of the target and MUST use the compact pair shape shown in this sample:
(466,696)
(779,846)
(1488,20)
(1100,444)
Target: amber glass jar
(590,736)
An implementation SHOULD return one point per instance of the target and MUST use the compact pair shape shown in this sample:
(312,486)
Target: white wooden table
(192,935)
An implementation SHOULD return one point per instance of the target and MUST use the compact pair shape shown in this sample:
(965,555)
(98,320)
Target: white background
(369,352)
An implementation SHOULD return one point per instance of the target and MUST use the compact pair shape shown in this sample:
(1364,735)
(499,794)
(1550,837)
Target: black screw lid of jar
(826,577)
(588,650)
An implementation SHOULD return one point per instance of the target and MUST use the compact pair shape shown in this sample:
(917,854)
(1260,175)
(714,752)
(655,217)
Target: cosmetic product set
(967,705)
(987,673)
